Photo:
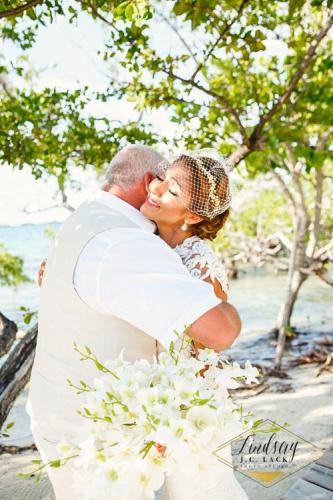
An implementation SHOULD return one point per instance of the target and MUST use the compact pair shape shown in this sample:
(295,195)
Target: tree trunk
(8,330)
(295,280)
(15,372)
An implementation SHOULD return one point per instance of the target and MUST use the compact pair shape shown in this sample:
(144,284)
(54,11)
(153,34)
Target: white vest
(64,318)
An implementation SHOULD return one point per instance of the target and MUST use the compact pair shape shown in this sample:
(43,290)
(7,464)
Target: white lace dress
(202,263)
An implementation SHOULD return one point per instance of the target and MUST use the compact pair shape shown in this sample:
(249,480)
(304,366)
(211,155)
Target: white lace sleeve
(202,262)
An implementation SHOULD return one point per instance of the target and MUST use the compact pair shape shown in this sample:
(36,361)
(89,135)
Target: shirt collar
(112,201)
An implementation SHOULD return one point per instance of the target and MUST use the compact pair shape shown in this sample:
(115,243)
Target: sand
(307,405)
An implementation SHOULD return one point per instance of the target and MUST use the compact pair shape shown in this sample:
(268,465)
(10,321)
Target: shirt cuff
(186,320)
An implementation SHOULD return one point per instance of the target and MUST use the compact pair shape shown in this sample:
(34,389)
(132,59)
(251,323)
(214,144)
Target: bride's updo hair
(205,190)
(208,229)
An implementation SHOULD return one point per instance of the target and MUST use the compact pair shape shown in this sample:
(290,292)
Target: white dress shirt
(133,274)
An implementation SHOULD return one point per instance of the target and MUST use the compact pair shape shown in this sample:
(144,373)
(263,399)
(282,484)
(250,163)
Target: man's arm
(139,279)
(218,328)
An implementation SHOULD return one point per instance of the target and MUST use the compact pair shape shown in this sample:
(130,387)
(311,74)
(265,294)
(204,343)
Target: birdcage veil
(204,181)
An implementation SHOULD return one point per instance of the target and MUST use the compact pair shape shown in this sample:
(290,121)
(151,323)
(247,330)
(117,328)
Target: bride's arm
(219,292)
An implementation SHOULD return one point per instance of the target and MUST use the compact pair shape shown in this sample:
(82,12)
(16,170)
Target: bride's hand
(41,273)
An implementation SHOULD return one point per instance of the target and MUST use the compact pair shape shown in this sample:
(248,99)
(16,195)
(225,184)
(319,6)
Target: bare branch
(314,232)
(324,276)
(323,140)
(64,199)
(292,164)
(284,188)
(283,239)
(20,9)
(180,37)
(323,250)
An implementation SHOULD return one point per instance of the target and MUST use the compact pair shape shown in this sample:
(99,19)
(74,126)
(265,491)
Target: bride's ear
(193,218)
(148,177)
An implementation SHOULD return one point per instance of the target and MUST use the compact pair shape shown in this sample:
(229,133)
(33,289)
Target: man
(111,283)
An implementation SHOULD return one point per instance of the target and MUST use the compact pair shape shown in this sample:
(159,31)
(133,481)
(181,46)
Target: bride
(189,201)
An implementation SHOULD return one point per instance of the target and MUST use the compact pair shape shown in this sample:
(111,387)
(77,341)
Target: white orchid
(146,420)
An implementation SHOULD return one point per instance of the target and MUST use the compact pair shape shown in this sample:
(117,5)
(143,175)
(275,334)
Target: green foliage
(49,233)
(27,314)
(262,213)
(46,130)
(11,269)
(18,14)
(230,64)
(4,433)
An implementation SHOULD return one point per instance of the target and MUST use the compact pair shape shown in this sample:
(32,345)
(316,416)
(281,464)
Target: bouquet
(148,420)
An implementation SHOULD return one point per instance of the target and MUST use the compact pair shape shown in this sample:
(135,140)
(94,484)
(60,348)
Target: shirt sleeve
(141,280)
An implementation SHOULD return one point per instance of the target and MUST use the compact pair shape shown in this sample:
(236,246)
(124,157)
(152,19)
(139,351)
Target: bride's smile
(163,203)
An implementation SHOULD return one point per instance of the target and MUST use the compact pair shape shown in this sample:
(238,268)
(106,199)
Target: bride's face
(163,203)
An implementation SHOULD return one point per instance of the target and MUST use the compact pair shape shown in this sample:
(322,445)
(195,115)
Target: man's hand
(41,273)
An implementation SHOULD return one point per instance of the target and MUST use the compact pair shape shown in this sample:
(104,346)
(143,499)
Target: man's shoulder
(130,236)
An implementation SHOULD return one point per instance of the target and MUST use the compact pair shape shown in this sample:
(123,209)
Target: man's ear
(148,177)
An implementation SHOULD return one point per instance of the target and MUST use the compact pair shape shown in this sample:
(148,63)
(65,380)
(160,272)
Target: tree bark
(8,330)
(295,280)
(16,11)
(15,372)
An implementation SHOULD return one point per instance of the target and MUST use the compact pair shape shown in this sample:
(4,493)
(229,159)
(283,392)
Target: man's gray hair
(130,165)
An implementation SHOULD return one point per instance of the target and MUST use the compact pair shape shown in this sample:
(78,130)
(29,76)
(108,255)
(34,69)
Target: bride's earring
(184,226)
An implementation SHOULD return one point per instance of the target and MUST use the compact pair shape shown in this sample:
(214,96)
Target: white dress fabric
(202,263)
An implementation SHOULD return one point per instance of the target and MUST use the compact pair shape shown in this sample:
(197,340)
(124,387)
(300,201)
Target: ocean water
(256,294)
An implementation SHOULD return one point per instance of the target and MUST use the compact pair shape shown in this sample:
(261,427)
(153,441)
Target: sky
(66,55)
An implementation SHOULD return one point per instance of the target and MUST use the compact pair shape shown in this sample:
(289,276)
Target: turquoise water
(257,295)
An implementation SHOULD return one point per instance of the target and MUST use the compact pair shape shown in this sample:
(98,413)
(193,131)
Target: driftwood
(327,366)
(13,450)
(315,355)
(326,341)
(15,372)
(8,330)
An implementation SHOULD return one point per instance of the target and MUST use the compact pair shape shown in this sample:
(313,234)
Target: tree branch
(65,203)
(325,249)
(225,30)
(284,188)
(97,14)
(296,175)
(324,276)
(323,140)
(20,9)
(294,81)
(220,98)
(314,232)
(175,30)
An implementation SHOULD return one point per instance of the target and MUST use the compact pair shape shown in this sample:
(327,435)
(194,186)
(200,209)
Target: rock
(8,331)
